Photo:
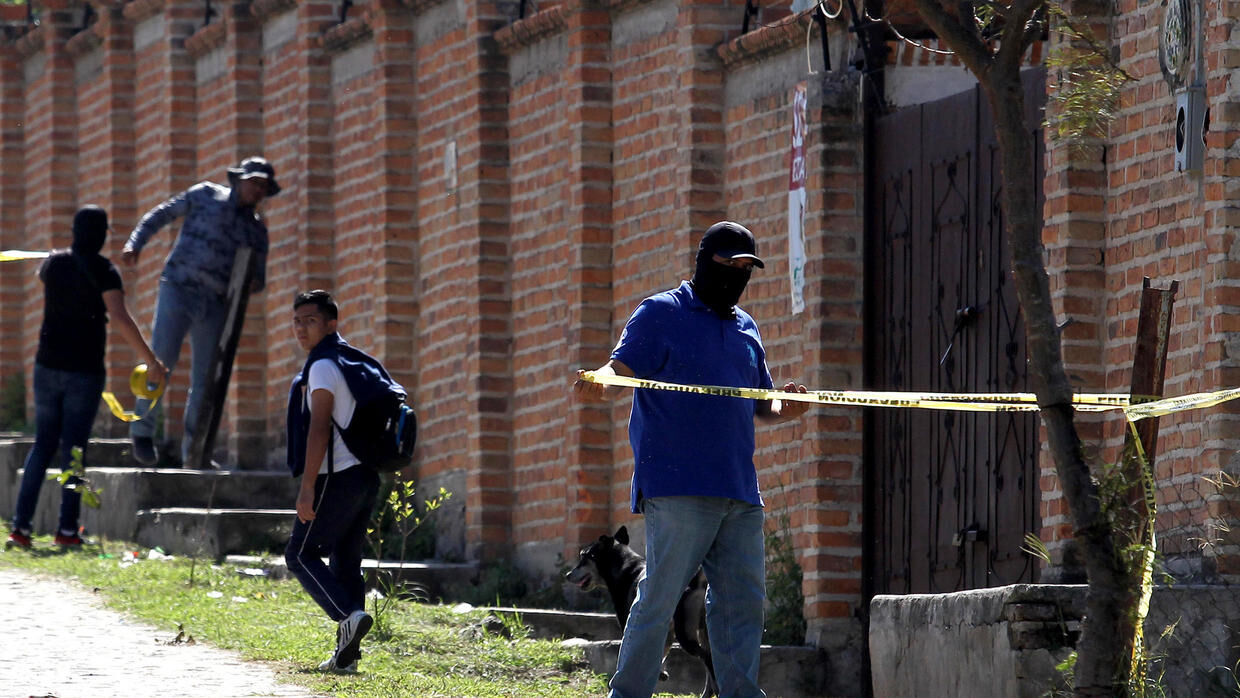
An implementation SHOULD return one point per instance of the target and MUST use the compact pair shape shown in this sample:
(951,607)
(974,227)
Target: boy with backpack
(339,466)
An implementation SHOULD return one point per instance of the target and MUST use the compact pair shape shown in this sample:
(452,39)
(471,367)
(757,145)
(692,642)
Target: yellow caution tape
(975,402)
(140,388)
(1135,409)
(1194,401)
(17,255)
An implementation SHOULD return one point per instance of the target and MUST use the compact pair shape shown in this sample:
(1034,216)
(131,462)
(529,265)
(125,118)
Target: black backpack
(383,432)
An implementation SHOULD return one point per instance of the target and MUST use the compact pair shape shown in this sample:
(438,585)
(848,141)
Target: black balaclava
(720,286)
(90,227)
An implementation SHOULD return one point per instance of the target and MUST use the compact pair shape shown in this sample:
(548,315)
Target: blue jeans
(179,311)
(724,536)
(65,403)
(343,503)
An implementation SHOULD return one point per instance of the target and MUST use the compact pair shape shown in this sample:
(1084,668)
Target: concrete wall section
(971,643)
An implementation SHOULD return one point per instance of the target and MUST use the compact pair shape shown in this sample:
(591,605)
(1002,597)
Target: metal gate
(950,494)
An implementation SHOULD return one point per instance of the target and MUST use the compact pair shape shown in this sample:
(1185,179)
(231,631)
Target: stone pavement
(60,642)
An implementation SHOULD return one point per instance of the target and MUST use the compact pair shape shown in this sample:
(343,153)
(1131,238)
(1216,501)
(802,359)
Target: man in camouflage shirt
(192,288)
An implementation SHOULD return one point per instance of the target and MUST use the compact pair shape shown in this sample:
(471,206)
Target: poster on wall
(796,200)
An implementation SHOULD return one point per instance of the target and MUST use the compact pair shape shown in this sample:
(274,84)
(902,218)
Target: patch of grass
(430,651)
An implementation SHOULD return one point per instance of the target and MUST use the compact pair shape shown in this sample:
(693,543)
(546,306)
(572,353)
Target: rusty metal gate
(950,495)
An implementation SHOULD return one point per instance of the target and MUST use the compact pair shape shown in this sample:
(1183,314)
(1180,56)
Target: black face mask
(90,228)
(719,285)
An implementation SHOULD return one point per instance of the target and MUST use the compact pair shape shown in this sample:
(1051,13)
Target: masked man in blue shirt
(194,283)
(693,478)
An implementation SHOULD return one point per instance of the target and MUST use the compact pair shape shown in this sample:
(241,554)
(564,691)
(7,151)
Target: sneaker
(18,539)
(349,638)
(72,540)
(332,665)
(143,449)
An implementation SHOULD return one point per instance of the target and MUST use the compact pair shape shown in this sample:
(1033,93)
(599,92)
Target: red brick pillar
(227,60)
(104,77)
(50,151)
(13,275)
(295,93)
(1213,451)
(464,331)
(166,136)
(699,180)
(589,454)
(396,217)
(1074,234)
(830,468)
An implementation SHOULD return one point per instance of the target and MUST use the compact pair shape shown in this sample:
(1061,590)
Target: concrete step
(784,672)
(100,453)
(224,489)
(126,491)
(214,533)
(431,581)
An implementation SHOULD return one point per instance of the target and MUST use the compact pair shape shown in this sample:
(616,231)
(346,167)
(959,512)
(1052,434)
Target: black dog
(611,562)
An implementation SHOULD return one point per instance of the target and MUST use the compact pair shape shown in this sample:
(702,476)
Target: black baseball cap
(731,240)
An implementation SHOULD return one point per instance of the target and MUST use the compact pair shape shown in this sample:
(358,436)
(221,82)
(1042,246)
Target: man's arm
(597,392)
(114,300)
(321,404)
(156,218)
(775,411)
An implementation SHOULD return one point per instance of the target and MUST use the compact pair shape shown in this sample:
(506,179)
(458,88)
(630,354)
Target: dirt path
(59,641)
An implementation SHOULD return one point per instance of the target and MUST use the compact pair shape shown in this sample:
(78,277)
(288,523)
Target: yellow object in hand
(142,389)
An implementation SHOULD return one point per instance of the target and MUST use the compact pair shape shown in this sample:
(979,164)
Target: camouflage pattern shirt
(214,228)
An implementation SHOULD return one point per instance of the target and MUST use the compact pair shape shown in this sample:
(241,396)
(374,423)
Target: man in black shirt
(81,289)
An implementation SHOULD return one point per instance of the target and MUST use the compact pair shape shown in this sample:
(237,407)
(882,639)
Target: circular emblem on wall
(1173,42)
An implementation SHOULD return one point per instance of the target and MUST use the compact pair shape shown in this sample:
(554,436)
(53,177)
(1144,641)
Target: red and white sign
(797,199)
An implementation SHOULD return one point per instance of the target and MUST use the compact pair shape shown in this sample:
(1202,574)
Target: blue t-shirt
(686,444)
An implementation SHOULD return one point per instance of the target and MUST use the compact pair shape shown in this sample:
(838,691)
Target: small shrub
(785,615)
(13,403)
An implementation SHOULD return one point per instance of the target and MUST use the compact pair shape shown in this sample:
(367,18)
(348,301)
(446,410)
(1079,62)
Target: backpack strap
(331,456)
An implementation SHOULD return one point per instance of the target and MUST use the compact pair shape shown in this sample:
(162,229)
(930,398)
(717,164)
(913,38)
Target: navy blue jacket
(365,376)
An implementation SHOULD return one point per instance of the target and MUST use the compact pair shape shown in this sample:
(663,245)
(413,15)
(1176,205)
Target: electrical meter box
(1190,129)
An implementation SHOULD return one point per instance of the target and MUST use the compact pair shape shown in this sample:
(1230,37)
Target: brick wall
(489,199)
(1117,211)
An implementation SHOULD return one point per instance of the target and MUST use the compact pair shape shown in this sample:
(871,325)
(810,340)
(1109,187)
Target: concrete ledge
(961,644)
(438,581)
(1006,641)
(785,672)
(214,533)
(549,625)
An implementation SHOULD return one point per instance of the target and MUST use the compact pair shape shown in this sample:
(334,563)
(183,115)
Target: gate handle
(964,316)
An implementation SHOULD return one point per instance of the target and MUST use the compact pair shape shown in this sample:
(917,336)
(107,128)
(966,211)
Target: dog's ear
(605,540)
(622,535)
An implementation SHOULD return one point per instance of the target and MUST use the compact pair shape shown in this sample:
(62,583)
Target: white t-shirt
(326,375)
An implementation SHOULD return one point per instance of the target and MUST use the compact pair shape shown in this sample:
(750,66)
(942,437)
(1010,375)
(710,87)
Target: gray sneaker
(332,665)
(143,450)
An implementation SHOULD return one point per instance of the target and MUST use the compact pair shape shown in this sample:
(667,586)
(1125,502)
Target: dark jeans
(343,503)
(65,403)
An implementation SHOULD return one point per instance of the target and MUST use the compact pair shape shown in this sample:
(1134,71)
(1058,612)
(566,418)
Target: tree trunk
(1102,666)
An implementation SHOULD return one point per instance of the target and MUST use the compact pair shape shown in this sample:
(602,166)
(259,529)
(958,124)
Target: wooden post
(199,452)
(1149,364)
